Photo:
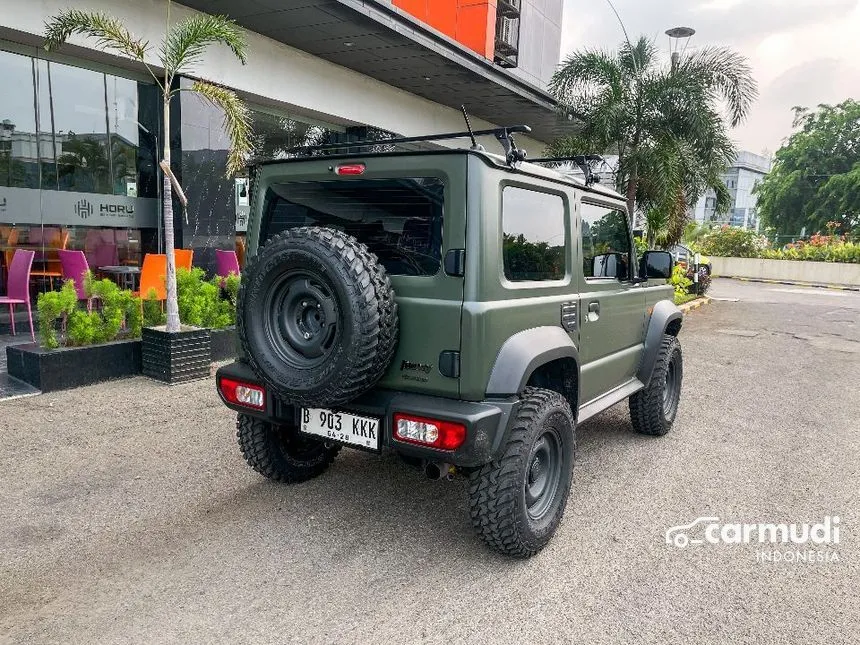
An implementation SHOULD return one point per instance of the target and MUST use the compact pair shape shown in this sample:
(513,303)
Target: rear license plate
(340,426)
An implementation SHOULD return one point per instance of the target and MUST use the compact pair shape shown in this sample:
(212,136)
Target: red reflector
(350,169)
(245,394)
(433,433)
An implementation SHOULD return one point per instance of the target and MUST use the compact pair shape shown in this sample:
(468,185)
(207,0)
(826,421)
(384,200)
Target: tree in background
(183,46)
(664,121)
(816,175)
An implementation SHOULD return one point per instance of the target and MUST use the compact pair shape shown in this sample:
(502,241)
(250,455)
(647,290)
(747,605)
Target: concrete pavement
(128,516)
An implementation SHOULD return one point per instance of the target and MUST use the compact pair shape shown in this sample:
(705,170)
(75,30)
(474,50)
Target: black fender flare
(523,353)
(665,313)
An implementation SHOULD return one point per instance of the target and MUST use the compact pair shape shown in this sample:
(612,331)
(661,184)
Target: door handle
(593,311)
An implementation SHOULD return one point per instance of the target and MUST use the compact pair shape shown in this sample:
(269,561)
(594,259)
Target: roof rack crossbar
(499,133)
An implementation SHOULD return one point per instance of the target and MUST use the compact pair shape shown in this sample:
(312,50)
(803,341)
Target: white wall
(788,270)
(294,79)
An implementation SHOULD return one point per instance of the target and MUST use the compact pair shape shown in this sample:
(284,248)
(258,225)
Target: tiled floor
(12,387)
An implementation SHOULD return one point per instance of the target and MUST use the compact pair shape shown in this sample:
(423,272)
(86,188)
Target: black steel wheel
(280,452)
(518,501)
(317,317)
(653,410)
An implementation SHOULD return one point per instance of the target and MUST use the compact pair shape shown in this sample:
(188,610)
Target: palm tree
(182,47)
(663,120)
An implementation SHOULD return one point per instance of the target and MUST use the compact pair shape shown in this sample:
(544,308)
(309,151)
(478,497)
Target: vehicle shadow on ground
(379,502)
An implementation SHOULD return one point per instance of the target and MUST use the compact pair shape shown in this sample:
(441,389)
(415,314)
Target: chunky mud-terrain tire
(280,452)
(517,502)
(653,409)
(317,317)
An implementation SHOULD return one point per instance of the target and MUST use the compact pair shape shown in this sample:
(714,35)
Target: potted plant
(173,352)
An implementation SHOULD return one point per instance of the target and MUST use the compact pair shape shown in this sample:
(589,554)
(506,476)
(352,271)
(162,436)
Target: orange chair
(153,273)
(183,258)
(152,276)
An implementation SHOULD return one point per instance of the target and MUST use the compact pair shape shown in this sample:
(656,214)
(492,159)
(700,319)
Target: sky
(802,52)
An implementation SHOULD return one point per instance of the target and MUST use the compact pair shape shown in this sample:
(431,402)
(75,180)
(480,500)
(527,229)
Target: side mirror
(609,265)
(657,264)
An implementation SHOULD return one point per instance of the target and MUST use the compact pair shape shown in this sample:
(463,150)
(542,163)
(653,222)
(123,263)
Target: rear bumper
(486,421)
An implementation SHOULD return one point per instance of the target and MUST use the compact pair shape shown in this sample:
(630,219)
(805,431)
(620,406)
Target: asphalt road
(128,516)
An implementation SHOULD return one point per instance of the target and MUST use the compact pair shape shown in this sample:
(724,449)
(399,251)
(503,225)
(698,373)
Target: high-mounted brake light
(433,433)
(245,394)
(350,169)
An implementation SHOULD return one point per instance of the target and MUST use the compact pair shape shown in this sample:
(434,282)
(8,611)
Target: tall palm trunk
(172,304)
(632,185)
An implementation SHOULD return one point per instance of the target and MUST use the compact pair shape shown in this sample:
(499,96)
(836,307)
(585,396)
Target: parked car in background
(684,256)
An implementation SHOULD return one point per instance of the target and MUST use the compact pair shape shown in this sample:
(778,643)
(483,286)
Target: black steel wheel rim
(543,474)
(301,318)
(670,389)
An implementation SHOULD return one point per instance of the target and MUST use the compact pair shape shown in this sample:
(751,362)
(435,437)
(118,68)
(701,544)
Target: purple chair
(75,267)
(18,286)
(226,262)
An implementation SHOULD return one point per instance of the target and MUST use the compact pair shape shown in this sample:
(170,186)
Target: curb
(839,287)
(694,304)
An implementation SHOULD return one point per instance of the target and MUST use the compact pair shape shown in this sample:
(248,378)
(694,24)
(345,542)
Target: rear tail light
(433,433)
(244,394)
(350,169)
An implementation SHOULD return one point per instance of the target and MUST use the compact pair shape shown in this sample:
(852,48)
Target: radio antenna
(475,144)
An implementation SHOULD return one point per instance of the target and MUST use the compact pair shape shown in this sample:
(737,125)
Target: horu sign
(33,206)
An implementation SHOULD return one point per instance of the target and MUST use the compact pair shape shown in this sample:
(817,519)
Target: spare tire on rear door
(316,316)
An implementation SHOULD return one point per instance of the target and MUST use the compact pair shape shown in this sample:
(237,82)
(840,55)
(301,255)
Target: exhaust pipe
(437,470)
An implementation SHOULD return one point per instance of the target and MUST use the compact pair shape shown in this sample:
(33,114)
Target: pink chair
(226,262)
(75,267)
(18,286)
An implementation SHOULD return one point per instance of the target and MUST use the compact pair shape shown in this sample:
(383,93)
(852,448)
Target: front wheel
(280,453)
(517,502)
(653,409)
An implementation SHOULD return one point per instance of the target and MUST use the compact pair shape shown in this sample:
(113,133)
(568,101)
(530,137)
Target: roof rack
(504,135)
(583,161)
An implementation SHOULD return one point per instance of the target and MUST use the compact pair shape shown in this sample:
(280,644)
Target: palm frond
(583,70)
(237,122)
(108,32)
(186,41)
(728,73)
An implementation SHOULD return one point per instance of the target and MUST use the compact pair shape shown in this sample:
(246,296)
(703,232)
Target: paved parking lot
(128,515)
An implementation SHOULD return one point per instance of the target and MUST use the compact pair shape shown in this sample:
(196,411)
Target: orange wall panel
(472,23)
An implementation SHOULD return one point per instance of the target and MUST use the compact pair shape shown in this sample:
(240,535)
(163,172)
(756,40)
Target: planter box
(178,357)
(61,369)
(225,344)
(840,273)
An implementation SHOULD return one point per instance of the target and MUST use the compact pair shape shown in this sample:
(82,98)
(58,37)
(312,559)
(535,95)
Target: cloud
(802,51)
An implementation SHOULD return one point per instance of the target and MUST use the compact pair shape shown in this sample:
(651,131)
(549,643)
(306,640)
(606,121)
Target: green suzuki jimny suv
(463,309)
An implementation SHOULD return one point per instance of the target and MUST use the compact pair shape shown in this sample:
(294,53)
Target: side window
(534,240)
(605,243)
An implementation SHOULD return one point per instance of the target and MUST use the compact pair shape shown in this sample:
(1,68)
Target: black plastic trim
(455,262)
(449,364)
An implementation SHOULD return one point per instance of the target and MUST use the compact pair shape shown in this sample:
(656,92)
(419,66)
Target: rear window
(400,220)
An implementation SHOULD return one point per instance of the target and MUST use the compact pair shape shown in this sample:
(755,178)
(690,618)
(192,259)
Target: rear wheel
(517,502)
(280,453)
(653,409)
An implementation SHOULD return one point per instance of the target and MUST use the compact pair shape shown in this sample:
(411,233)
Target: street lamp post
(676,35)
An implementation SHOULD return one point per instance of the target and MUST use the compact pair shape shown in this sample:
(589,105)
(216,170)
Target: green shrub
(680,281)
(153,315)
(200,301)
(55,307)
(113,308)
(732,242)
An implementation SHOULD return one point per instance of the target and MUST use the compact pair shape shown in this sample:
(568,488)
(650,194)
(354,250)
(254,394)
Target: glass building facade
(78,151)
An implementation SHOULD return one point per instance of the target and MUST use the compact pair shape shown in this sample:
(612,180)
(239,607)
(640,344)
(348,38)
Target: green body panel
(477,314)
